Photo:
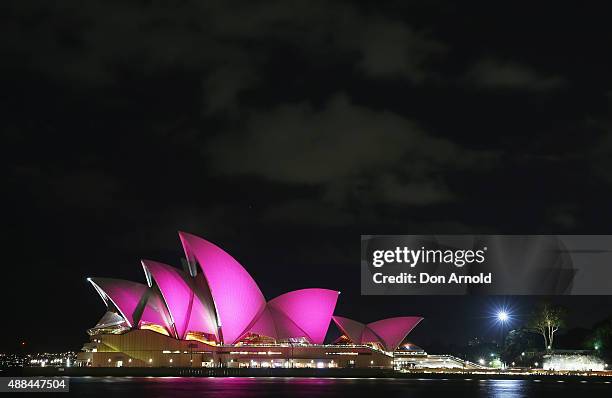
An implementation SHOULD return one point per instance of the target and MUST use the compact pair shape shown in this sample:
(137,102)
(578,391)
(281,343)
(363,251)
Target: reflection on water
(506,388)
(251,387)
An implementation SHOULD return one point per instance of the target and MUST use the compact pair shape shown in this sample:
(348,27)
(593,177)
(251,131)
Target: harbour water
(254,387)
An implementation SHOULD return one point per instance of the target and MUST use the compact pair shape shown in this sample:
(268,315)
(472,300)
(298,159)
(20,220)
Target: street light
(502,316)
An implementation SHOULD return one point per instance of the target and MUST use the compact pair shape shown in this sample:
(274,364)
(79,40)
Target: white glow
(575,362)
(502,316)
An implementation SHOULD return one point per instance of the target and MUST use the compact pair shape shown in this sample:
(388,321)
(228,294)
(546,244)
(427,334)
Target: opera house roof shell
(216,297)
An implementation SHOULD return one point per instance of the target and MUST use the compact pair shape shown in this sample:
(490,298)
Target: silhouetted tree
(517,341)
(601,337)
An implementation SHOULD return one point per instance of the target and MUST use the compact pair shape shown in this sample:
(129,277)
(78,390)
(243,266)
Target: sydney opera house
(213,314)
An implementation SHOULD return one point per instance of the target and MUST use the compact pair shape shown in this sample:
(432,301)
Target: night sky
(283,131)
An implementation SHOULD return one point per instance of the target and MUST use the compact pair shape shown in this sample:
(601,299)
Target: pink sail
(175,291)
(187,311)
(387,332)
(156,312)
(128,297)
(352,329)
(285,327)
(124,295)
(265,325)
(310,309)
(235,294)
(393,330)
(369,337)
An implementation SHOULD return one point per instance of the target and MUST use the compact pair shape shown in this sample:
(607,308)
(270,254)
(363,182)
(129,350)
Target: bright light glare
(502,316)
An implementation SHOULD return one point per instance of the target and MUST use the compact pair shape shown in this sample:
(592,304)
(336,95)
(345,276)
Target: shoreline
(305,373)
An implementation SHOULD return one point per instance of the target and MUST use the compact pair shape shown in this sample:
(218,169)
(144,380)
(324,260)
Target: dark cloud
(496,74)
(349,150)
(390,49)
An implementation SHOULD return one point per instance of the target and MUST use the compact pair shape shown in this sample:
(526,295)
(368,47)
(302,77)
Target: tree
(601,336)
(518,341)
(547,320)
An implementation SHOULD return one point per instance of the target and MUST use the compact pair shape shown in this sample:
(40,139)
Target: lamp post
(503,317)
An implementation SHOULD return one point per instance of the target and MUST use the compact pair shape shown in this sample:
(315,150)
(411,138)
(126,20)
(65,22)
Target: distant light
(522,354)
(502,316)
(481,361)
(536,364)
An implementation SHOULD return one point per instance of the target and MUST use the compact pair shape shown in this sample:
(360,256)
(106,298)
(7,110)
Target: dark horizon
(284,132)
